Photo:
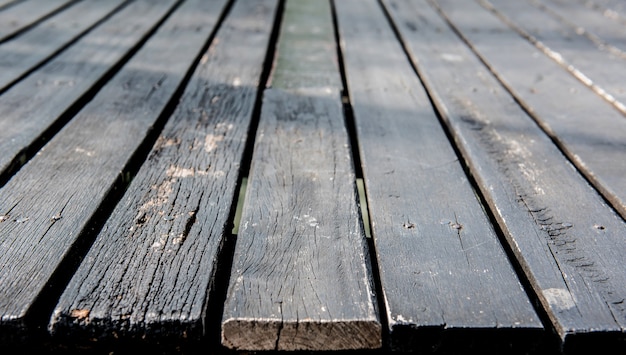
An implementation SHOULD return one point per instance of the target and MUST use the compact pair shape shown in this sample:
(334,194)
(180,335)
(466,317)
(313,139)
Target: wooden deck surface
(227,176)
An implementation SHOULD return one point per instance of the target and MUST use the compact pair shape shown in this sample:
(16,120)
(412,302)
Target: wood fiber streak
(26,13)
(568,241)
(148,274)
(591,63)
(45,95)
(591,133)
(23,53)
(442,267)
(300,278)
(46,207)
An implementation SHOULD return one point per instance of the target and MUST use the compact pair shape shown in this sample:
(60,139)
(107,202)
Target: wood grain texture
(442,268)
(47,206)
(148,274)
(47,94)
(22,54)
(591,133)
(300,278)
(590,62)
(26,13)
(569,242)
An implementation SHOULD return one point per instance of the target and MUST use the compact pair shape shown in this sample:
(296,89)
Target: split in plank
(149,272)
(22,54)
(301,278)
(443,270)
(49,206)
(50,95)
(591,133)
(568,242)
(21,16)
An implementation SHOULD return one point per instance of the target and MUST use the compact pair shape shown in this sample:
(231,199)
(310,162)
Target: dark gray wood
(569,242)
(39,101)
(23,53)
(442,268)
(149,271)
(300,278)
(26,13)
(46,207)
(591,133)
(610,35)
(599,69)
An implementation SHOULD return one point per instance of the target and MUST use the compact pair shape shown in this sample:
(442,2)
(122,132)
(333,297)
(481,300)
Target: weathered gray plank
(610,35)
(46,207)
(22,54)
(590,132)
(569,242)
(300,278)
(595,67)
(442,268)
(614,10)
(24,14)
(148,273)
(47,95)
(6,3)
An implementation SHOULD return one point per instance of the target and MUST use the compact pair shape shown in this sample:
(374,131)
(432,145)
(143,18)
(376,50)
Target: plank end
(257,335)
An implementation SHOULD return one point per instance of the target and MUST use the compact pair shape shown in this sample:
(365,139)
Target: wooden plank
(300,277)
(22,15)
(49,96)
(560,104)
(608,34)
(6,3)
(148,274)
(22,54)
(48,207)
(446,280)
(568,240)
(595,67)
(615,10)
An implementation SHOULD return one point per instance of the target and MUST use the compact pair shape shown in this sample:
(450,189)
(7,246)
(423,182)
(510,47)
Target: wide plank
(600,69)
(300,278)
(591,133)
(49,206)
(568,241)
(52,94)
(21,55)
(446,280)
(24,14)
(149,272)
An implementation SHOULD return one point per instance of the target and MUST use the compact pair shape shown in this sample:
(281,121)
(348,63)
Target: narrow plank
(48,95)
(446,280)
(148,274)
(22,54)
(559,103)
(593,24)
(300,278)
(568,240)
(47,207)
(22,15)
(601,70)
